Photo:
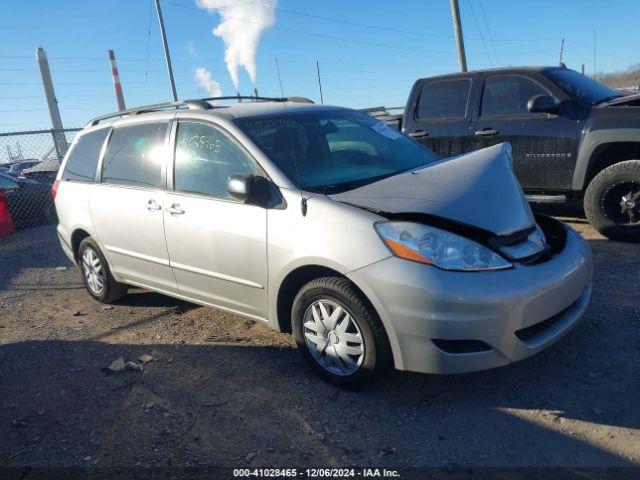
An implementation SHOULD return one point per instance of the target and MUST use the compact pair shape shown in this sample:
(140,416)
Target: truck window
(83,157)
(135,155)
(508,95)
(444,99)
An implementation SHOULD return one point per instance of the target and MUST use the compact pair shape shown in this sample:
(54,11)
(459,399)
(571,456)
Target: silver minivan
(326,223)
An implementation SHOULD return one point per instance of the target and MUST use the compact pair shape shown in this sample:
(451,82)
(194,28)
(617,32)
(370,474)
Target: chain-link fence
(29,163)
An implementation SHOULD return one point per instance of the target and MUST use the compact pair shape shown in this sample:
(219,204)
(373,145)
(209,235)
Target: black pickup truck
(571,136)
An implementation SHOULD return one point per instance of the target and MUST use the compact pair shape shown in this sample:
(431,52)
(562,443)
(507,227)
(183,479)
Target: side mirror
(543,104)
(248,188)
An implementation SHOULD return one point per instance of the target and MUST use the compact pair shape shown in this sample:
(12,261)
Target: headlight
(443,249)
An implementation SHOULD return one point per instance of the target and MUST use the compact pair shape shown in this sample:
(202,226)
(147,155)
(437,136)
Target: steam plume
(241,25)
(208,84)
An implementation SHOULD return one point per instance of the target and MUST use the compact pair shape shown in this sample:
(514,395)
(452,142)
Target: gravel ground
(222,390)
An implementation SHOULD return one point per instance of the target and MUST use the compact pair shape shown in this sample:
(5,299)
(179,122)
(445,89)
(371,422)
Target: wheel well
(292,284)
(610,153)
(76,237)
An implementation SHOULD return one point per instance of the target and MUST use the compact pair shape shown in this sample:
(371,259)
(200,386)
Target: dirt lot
(222,390)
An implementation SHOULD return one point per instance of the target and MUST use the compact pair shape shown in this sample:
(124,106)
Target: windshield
(334,150)
(581,88)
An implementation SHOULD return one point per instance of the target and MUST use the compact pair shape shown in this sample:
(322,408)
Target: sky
(369,51)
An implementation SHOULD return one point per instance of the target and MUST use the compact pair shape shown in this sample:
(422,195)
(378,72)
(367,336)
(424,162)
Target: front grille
(461,346)
(528,333)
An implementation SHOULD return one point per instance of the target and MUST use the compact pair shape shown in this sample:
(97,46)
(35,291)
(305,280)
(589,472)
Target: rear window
(83,158)
(444,99)
(135,155)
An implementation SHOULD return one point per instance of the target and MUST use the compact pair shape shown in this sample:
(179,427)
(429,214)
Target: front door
(544,145)
(126,207)
(442,116)
(217,246)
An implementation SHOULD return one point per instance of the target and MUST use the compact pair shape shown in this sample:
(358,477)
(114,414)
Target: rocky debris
(250,456)
(119,365)
(145,358)
(387,451)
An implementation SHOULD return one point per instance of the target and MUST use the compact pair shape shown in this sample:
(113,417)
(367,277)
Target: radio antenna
(303,202)
(279,77)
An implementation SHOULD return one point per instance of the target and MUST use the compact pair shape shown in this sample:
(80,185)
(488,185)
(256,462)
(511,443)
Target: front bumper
(420,303)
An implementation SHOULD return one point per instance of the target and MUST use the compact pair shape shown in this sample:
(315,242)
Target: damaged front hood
(632,100)
(477,189)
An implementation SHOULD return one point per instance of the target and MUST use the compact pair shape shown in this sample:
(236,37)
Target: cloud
(206,83)
(191,49)
(241,25)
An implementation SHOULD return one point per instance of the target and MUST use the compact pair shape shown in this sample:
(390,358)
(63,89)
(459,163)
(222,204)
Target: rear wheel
(612,201)
(339,334)
(96,275)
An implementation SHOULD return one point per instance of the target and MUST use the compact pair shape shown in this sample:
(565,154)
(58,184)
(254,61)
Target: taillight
(54,189)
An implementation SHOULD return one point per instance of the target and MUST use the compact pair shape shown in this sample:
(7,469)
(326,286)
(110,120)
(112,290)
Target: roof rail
(194,104)
(191,104)
(259,99)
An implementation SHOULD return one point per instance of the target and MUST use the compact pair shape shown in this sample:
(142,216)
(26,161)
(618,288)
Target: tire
(604,198)
(356,351)
(89,254)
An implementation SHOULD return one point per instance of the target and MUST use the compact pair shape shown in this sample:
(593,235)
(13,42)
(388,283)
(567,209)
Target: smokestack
(116,81)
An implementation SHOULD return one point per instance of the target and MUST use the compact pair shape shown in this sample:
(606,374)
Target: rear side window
(206,158)
(83,158)
(135,155)
(508,95)
(444,99)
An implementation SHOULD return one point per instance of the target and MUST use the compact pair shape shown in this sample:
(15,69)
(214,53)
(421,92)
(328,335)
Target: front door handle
(152,205)
(418,134)
(175,209)
(487,132)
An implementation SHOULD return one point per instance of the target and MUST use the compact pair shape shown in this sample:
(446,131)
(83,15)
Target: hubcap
(333,337)
(93,271)
(621,203)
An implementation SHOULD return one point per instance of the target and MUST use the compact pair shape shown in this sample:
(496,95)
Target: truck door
(544,145)
(439,115)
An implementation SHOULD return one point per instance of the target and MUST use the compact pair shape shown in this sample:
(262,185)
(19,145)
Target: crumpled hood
(625,100)
(477,189)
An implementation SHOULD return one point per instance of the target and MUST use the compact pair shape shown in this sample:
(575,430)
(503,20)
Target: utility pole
(116,81)
(166,52)
(319,82)
(59,140)
(582,69)
(561,52)
(457,27)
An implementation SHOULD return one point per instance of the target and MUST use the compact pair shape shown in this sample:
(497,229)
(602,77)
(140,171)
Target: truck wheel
(96,275)
(612,201)
(339,333)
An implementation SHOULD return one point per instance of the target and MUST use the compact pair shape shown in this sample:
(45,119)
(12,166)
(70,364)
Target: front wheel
(339,333)
(96,275)
(612,201)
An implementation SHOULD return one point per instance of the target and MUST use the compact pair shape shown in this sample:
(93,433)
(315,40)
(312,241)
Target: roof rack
(191,104)
(195,104)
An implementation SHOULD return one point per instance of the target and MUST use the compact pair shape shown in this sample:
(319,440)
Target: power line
(475,20)
(350,23)
(493,42)
(341,39)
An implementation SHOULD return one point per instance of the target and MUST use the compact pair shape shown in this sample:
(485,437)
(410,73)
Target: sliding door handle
(418,134)
(175,209)
(487,132)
